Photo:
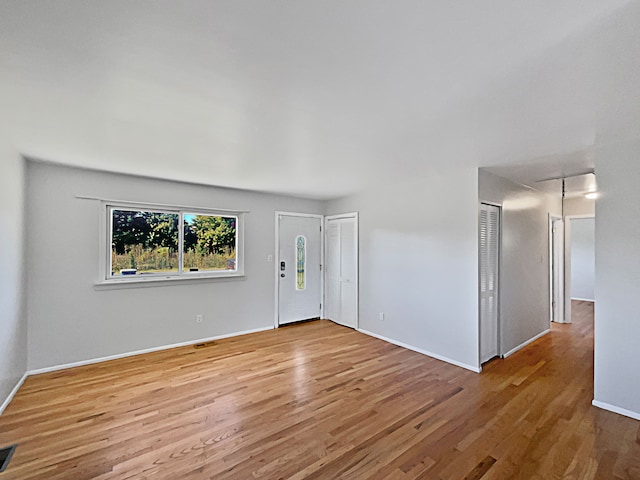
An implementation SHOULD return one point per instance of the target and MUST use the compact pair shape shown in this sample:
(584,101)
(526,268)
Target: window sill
(159,281)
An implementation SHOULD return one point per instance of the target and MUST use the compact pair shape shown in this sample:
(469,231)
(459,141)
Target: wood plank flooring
(320,401)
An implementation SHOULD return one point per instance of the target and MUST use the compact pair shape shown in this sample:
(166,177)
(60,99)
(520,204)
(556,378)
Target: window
(209,242)
(159,243)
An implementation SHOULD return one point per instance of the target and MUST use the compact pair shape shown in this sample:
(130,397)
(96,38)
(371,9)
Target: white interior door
(332,270)
(489,246)
(299,277)
(341,274)
(557,270)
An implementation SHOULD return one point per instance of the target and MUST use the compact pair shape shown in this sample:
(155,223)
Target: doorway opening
(583,258)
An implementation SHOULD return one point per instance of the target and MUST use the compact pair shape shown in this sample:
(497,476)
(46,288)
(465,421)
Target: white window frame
(106,236)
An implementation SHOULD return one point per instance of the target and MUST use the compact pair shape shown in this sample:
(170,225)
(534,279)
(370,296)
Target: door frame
(499,284)
(353,215)
(276,266)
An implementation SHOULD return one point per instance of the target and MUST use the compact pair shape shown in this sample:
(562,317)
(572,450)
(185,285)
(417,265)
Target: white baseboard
(583,299)
(424,352)
(614,409)
(140,352)
(524,344)
(13,392)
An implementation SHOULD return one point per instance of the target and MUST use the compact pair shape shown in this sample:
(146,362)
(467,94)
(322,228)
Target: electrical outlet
(269,258)
(381,316)
(198,318)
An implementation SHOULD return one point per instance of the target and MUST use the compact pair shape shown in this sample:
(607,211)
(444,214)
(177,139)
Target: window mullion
(109,269)
(181,245)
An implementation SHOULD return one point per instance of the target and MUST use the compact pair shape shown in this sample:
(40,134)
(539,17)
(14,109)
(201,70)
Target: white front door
(299,258)
(489,275)
(341,274)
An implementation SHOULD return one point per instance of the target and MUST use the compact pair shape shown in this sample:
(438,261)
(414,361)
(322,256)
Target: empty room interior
(319,240)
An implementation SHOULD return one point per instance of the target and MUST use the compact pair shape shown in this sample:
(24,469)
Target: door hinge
(320,266)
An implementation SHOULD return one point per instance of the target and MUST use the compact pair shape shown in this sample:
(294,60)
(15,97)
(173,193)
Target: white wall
(583,258)
(617,319)
(524,268)
(419,262)
(579,206)
(13,325)
(71,320)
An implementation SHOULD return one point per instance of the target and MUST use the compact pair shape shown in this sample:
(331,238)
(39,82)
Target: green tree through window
(209,242)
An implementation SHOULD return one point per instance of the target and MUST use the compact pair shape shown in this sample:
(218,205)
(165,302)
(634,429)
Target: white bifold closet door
(489,280)
(341,274)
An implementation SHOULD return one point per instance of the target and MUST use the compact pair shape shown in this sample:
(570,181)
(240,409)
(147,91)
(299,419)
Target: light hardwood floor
(320,401)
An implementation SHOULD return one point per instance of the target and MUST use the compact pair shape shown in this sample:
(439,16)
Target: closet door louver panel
(489,238)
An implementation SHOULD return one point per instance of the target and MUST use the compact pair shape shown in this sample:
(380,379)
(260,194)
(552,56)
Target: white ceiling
(312,98)
(546,174)
(570,187)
